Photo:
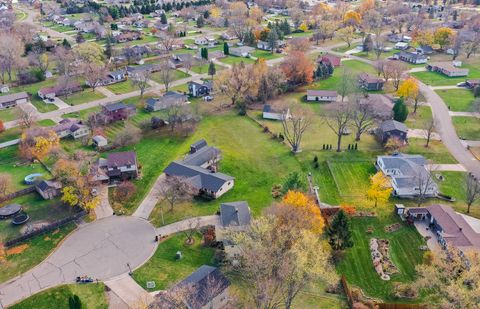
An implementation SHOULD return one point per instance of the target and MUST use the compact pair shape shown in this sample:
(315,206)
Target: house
(450,227)
(48,189)
(228,36)
(117,75)
(322,95)
(392,129)
(71,128)
(234,216)
(266,45)
(394,38)
(402,45)
(99,141)
(199,169)
(472,83)
(4,88)
(424,50)
(119,165)
(410,57)
(117,111)
(140,69)
(242,51)
(169,99)
(206,288)
(369,82)
(59,90)
(201,41)
(408,175)
(196,89)
(273,114)
(212,55)
(447,68)
(330,59)
(178,60)
(12,100)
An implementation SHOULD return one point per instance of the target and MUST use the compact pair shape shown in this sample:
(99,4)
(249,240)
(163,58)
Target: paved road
(100,249)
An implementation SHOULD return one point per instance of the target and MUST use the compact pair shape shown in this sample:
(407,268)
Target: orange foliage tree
(348,209)
(307,207)
(2,126)
(298,68)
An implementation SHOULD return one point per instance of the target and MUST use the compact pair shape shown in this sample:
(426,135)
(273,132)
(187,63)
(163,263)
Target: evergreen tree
(294,181)
(66,44)
(286,29)
(211,69)
(206,14)
(272,39)
(200,21)
(226,24)
(400,111)
(338,232)
(163,19)
(226,48)
(368,43)
(108,47)
(330,68)
(74,302)
(79,38)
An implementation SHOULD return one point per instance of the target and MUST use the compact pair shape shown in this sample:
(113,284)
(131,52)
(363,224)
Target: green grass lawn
(373,56)
(421,119)
(177,75)
(467,127)
(122,87)
(347,172)
(9,114)
(36,250)
(92,296)
(235,60)
(436,151)
(83,114)
(62,28)
(165,270)
(265,54)
(83,97)
(201,69)
(10,134)
(458,100)
(357,263)
(438,79)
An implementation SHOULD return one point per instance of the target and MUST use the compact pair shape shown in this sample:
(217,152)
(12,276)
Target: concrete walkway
(464,114)
(445,87)
(10,143)
(59,103)
(104,209)
(129,292)
(188,224)
(419,133)
(149,202)
(447,168)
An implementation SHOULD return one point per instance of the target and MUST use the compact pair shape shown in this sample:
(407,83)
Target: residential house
(71,128)
(59,90)
(143,23)
(167,100)
(322,95)
(48,189)
(392,129)
(451,228)
(394,38)
(273,114)
(116,112)
(447,69)
(212,55)
(199,168)
(197,89)
(201,41)
(410,57)
(330,59)
(4,88)
(99,141)
(424,50)
(234,216)
(127,36)
(408,175)
(369,82)
(402,45)
(472,83)
(228,36)
(206,288)
(12,100)
(178,60)
(241,51)
(118,166)
(266,45)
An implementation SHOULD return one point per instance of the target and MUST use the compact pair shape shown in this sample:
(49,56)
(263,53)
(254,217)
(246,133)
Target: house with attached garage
(199,168)
(197,89)
(408,174)
(410,57)
(167,100)
(447,68)
(59,90)
(116,112)
(71,128)
(424,50)
(234,216)
(242,51)
(392,129)
(117,166)
(12,100)
(369,82)
(402,45)
(322,95)
(266,45)
(275,114)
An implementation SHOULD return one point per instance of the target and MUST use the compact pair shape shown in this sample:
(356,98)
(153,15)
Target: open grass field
(83,97)
(454,184)
(165,270)
(34,251)
(436,151)
(177,75)
(357,263)
(457,100)
(265,54)
(467,127)
(92,296)
(345,173)
(438,79)
(122,87)
(202,69)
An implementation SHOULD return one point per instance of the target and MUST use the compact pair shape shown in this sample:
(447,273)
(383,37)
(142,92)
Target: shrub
(400,111)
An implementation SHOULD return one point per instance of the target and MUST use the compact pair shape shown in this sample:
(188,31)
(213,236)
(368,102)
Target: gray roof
(99,138)
(13,97)
(47,184)
(391,125)
(411,168)
(115,106)
(169,99)
(199,144)
(323,93)
(411,55)
(242,49)
(235,214)
(202,155)
(118,159)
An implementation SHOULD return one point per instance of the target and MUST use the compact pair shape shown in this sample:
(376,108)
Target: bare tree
(347,84)
(472,194)
(141,79)
(295,125)
(338,118)
(10,55)
(381,68)
(5,184)
(167,74)
(192,228)
(395,71)
(362,115)
(166,41)
(94,74)
(26,118)
(175,189)
(176,113)
(430,126)
(424,183)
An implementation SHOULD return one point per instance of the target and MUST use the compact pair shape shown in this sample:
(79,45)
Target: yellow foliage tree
(444,36)
(352,18)
(303,27)
(410,91)
(424,37)
(70,196)
(44,144)
(306,205)
(215,12)
(380,188)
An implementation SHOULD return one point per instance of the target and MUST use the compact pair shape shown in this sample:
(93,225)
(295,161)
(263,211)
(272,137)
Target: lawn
(122,87)
(9,114)
(177,75)
(165,270)
(10,134)
(436,151)
(438,79)
(265,54)
(34,251)
(32,89)
(346,172)
(235,60)
(457,100)
(92,296)
(373,56)
(357,263)
(419,120)
(467,127)
(201,69)
(83,97)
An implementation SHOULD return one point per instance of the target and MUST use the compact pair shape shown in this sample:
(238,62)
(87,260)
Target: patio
(424,230)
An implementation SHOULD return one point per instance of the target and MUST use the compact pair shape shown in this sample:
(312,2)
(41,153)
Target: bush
(476,91)
(294,181)
(400,111)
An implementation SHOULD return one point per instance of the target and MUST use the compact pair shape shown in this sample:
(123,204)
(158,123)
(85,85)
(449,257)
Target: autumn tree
(352,19)
(307,207)
(5,184)
(2,126)
(129,135)
(424,37)
(338,232)
(167,74)
(409,91)
(338,119)
(395,72)
(472,193)
(298,68)
(37,143)
(94,74)
(444,36)
(175,189)
(298,44)
(346,34)
(296,125)
(380,188)
(166,41)
(26,118)
(363,116)
(10,55)
(141,80)
(89,52)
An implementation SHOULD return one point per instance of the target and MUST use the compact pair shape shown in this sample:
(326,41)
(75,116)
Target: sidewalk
(447,168)
(187,224)
(464,114)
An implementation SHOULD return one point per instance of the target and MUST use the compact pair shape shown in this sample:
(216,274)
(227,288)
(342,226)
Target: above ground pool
(30,179)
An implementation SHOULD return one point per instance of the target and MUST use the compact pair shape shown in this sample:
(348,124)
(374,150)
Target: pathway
(129,291)
(59,103)
(104,209)
(444,87)
(447,168)
(10,143)
(149,202)
(464,114)
(188,224)
(105,92)
(420,133)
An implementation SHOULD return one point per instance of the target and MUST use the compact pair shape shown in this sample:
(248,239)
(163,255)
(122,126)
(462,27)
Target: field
(457,100)
(177,75)
(92,296)
(347,172)
(165,270)
(467,127)
(436,151)
(265,54)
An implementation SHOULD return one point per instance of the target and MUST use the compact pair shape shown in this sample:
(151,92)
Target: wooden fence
(17,194)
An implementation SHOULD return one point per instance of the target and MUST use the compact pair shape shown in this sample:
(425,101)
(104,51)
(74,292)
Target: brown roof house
(120,166)
(48,189)
(116,112)
(59,90)
(447,68)
(369,82)
(71,128)
(322,95)
(12,100)
(330,59)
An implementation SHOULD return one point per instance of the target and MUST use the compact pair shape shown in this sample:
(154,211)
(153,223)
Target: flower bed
(393,227)
(380,252)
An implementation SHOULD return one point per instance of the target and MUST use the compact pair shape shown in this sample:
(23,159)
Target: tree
(298,68)
(200,21)
(211,69)
(294,182)
(362,116)
(393,145)
(2,126)
(296,125)
(10,55)
(94,74)
(338,232)
(37,143)
(472,193)
(346,34)
(74,302)
(166,41)
(400,111)
(79,37)
(130,135)
(298,44)
(368,44)
(89,52)
(395,72)
(347,84)
(424,182)
(380,188)
(163,18)
(452,278)
(308,207)
(429,126)
(26,118)
(5,184)
(141,80)
(444,36)
(352,18)
(409,91)
(175,189)
(40,60)
(272,40)
(226,48)
(338,118)
(167,74)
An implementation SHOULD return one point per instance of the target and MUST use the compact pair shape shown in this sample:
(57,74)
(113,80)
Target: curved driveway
(101,249)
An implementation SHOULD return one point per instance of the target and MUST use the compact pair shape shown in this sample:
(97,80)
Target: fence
(17,194)
(44,229)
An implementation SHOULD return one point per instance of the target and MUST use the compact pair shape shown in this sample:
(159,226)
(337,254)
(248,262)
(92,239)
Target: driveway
(101,249)
(149,202)
(188,224)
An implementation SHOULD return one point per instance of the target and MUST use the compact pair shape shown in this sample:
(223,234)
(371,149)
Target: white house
(71,127)
(201,41)
(401,45)
(322,95)
(241,51)
(273,114)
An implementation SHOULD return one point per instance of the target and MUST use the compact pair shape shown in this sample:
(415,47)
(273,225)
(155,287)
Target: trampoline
(20,219)
(9,210)
(30,179)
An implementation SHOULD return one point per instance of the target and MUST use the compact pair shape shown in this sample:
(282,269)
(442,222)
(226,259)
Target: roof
(334,60)
(406,54)
(13,97)
(208,84)
(448,66)
(118,159)
(99,139)
(169,99)
(199,144)
(243,49)
(426,48)
(391,125)
(369,78)
(417,210)
(48,184)
(115,106)
(323,93)
(235,214)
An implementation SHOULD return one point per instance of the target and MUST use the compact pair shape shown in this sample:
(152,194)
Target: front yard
(467,127)
(84,96)
(438,79)
(457,100)
(122,87)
